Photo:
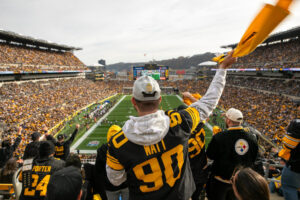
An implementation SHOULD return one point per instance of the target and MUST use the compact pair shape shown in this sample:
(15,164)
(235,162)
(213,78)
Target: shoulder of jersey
(114,141)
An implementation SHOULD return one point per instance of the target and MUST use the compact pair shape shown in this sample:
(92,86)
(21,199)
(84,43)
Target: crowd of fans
(269,113)
(36,105)
(19,58)
(282,86)
(279,55)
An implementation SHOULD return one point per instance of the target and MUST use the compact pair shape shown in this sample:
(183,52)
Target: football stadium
(206,126)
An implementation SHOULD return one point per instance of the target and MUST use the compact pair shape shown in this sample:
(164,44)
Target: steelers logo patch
(149,87)
(241,147)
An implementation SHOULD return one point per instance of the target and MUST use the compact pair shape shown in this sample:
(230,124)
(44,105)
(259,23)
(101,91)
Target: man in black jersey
(7,150)
(36,172)
(62,147)
(151,150)
(229,149)
(290,178)
(197,155)
(32,149)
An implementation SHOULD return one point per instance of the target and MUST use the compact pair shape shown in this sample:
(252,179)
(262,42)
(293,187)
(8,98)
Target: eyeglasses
(233,176)
(232,179)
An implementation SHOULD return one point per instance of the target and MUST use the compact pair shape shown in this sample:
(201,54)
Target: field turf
(120,114)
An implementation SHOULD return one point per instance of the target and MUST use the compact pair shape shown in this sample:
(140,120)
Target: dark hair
(73,160)
(5,143)
(10,166)
(251,185)
(147,106)
(46,149)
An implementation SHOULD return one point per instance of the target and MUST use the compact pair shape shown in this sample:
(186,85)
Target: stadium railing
(91,161)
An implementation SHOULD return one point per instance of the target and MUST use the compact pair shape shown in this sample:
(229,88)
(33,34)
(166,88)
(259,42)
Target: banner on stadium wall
(262,69)
(43,72)
(75,113)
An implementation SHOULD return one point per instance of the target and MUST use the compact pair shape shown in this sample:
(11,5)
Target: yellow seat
(6,188)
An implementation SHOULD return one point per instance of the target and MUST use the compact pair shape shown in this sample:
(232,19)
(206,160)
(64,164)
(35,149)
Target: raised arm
(70,140)
(17,141)
(211,98)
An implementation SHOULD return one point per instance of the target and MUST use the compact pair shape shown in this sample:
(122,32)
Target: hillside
(174,63)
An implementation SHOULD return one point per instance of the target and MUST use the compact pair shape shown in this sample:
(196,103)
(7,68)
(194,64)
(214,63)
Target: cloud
(123,31)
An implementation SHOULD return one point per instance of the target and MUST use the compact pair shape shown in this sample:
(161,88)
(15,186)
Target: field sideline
(96,136)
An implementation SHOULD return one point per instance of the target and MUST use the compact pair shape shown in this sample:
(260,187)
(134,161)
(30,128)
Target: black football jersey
(35,182)
(161,170)
(197,155)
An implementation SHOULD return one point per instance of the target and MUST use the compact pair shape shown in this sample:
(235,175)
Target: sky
(136,30)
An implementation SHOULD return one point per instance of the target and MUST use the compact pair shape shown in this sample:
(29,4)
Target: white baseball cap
(146,88)
(234,115)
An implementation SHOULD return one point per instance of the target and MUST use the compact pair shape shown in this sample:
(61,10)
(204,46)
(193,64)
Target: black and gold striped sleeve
(188,119)
(111,159)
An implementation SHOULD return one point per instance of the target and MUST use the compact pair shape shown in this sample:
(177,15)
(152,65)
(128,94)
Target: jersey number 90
(172,164)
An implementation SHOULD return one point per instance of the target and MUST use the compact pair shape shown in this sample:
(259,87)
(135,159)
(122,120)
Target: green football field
(119,115)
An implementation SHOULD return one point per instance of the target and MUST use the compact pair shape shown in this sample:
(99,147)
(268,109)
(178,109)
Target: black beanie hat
(46,148)
(35,136)
(65,184)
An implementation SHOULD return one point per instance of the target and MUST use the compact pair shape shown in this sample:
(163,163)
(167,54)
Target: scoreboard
(158,72)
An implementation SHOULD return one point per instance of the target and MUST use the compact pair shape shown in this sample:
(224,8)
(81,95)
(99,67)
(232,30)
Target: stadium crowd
(278,55)
(281,86)
(269,113)
(36,105)
(18,58)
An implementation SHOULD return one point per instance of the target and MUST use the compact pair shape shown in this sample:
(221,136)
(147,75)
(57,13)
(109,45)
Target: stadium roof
(15,37)
(207,63)
(291,33)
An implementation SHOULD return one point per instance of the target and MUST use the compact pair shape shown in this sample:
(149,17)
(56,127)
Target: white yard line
(206,124)
(209,126)
(86,134)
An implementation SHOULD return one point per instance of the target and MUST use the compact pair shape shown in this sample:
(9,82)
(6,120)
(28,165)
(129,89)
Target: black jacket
(7,152)
(231,148)
(101,169)
(31,180)
(292,135)
(31,150)
(62,150)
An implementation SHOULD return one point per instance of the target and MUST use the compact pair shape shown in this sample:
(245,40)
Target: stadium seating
(278,55)
(24,59)
(35,105)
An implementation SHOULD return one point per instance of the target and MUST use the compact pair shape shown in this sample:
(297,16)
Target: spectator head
(234,117)
(10,166)
(73,160)
(65,184)
(146,95)
(61,138)
(35,136)
(5,143)
(46,149)
(248,185)
(112,131)
(297,103)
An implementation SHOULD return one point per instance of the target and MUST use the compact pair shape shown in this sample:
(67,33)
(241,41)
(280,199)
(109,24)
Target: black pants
(200,182)
(217,190)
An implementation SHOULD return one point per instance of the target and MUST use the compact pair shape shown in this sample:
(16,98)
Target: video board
(158,72)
